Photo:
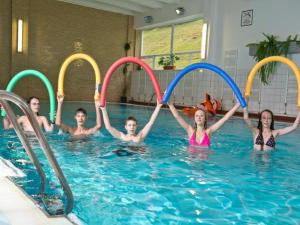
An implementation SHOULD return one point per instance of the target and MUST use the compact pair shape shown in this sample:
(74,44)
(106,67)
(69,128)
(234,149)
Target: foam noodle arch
(46,82)
(208,66)
(66,63)
(115,66)
(281,59)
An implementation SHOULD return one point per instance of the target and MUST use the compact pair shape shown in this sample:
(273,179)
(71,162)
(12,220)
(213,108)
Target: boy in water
(80,117)
(130,127)
(34,104)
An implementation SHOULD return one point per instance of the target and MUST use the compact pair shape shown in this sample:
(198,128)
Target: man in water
(80,117)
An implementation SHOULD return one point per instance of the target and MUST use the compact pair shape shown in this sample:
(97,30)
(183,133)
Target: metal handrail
(25,144)
(4,95)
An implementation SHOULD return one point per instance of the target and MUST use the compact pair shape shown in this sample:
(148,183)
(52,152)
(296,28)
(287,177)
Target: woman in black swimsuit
(264,134)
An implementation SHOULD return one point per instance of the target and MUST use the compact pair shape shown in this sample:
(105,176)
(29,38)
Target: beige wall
(57,30)
(5,42)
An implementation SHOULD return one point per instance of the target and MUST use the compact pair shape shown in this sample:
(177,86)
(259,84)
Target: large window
(184,40)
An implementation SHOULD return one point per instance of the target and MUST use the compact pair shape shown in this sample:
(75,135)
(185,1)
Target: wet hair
(30,98)
(81,110)
(130,118)
(260,126)
(205,115)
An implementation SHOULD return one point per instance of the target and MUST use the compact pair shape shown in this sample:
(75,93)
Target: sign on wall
(246,18)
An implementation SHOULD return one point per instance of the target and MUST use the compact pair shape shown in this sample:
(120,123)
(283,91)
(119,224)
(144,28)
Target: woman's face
(266,119)
(34,105)
(199,117)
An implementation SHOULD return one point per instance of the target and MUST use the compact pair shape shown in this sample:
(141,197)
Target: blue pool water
(169,183)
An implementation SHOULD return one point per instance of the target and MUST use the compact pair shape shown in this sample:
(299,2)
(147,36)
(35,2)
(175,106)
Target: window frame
(154,56)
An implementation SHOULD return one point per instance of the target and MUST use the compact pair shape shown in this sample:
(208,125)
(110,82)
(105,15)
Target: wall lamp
(180,11)
(20,36)
(204,40)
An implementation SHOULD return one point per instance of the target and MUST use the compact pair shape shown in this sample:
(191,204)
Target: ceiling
(126,7)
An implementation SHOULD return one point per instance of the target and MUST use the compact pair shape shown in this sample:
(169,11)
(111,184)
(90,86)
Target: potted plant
(168,61)
(271,46)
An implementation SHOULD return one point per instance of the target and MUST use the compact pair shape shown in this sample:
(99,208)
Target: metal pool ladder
(8,96)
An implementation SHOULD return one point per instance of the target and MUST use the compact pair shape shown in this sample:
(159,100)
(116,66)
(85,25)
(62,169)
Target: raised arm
(47,127)
(179,119)
(144,132)
(58,121)
(6,123)
(113,131)
(98,118)
(220,123)
(248,121)
(290,128)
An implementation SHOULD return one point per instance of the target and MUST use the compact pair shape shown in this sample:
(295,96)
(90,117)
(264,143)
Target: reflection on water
(131,148)
(199,152)
(262,159)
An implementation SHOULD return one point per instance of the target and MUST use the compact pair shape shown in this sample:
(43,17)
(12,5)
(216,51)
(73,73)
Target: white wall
(224,16)
(277,17)
(228,40)
(194,9)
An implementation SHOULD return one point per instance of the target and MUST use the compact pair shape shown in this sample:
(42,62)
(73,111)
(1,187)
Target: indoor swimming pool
(164,181)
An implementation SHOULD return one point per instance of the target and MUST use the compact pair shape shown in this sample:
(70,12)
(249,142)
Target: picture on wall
(247,17)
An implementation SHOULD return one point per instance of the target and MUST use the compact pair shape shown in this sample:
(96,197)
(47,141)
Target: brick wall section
(54,28)
(5,43)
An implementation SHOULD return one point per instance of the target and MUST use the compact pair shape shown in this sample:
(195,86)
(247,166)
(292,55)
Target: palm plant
(271,47)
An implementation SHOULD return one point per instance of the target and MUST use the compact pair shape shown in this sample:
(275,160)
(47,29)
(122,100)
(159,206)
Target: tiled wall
(280,96)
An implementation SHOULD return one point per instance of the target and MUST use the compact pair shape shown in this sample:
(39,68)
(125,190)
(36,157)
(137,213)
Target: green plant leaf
(168,60)
(271,46)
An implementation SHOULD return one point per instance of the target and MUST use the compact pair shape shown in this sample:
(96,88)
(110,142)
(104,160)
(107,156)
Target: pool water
(169,183)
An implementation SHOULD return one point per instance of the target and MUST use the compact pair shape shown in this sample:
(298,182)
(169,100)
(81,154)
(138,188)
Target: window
(184,40)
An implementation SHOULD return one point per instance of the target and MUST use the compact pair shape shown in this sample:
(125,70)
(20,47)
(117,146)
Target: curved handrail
(71,58)
(32,156)
(115,66)
(208,66)
(43,142)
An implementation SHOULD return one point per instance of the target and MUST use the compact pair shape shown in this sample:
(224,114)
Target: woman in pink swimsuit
(200,134)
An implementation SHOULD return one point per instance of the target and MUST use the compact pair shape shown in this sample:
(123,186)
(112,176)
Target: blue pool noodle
(208,66)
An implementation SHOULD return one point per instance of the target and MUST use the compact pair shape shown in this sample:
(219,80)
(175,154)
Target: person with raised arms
(131,127)
(264,134)
(80,117)
(34,104)
(199,135)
